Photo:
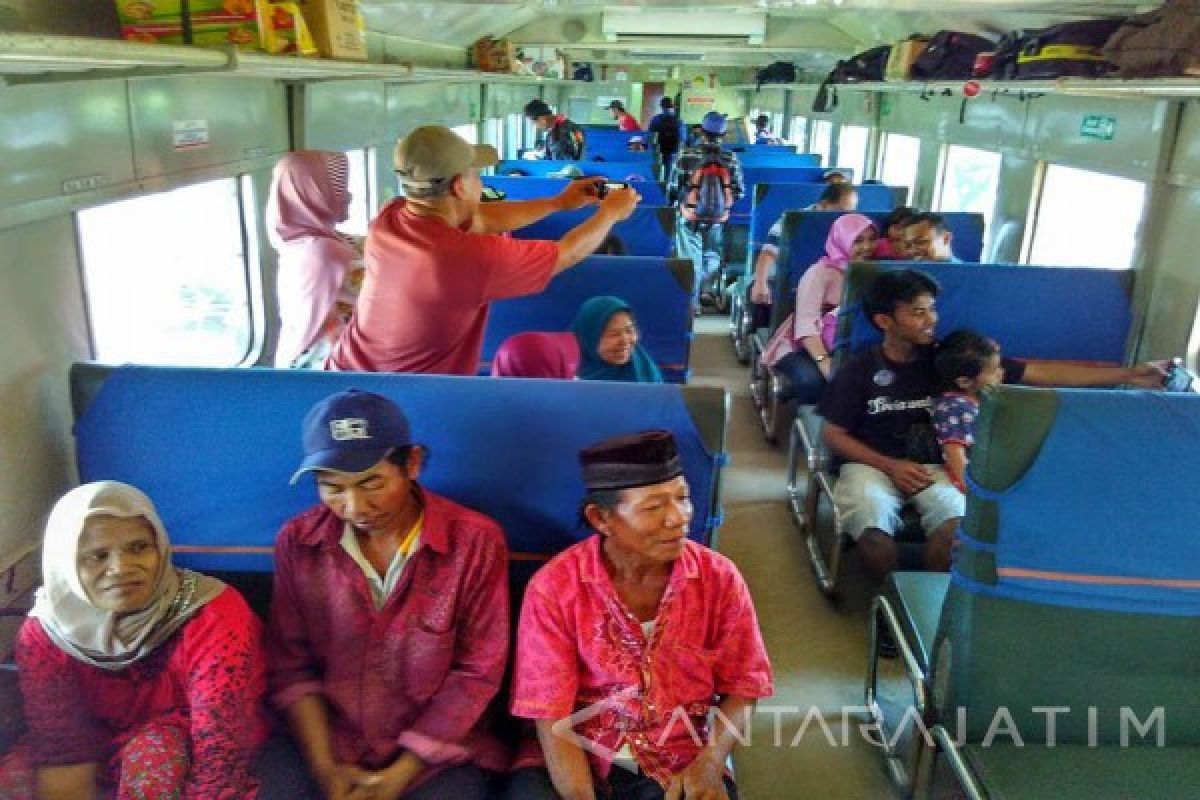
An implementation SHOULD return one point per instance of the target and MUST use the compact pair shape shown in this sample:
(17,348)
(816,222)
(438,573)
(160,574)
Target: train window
(1086,219)
(822,139)
(361,193)
(798,133)
(970,180)
(493,134)
(852,149)
(470,132)
(514,125)
(166,278)
(898,161)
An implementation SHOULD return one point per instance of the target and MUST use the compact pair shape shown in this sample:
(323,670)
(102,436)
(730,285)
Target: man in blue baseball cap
(705,182)
(388,631)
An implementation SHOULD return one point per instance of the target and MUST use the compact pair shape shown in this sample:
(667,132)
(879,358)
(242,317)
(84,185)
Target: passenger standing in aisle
(309,196)
(564,139)
(701,241)
(388,631)
(667,131)
(435,259)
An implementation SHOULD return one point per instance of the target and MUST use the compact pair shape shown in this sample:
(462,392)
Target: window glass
(515,127)
(470,132)
(852,150)
(493,134)
(970,178)
(360,195)
(1086,219)
(898,161)
(798,133)
(822,139)
(166,278)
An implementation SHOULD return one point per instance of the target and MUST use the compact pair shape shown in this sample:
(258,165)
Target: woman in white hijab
(140,680)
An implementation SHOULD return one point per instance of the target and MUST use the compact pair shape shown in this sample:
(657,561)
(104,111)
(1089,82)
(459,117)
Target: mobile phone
(604,187)
(1179,377)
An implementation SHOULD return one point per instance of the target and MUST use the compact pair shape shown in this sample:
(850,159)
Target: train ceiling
(719,32)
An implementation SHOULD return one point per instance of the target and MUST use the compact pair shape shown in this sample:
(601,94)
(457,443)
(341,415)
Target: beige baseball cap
(433,153)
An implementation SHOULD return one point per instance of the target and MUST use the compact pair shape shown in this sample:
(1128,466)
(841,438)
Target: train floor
(817,646)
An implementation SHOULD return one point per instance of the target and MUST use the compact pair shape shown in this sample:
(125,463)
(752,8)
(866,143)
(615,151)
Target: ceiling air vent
(682,26)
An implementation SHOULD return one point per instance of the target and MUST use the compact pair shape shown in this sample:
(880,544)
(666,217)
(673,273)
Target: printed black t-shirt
(888,405)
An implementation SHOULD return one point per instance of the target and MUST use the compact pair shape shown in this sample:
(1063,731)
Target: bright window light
(166,277)
(852,150)
(798,133)
(470,132)
(360,195)
(898,161)
(1086,219)
(822,139)
(970,180)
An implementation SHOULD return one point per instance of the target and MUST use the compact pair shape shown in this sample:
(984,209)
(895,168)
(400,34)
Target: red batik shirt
(416,674)
(208,679)
(578,646)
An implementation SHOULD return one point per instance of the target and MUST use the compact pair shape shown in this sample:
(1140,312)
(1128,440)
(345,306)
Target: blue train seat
(215,448)
(1035,313)
(1075,587)
(601,155)
(518,188)
(753,175)
(649,231)
(657,289)
(771,200)
(613,170)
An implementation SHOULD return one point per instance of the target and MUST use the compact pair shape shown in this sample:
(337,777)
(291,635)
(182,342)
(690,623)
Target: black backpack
(865,66)
(779,72)
(950,55)
(1071,50)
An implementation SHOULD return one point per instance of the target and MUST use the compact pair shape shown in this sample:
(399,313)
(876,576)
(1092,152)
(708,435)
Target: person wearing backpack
(667,131)
(705,183)
(564,139)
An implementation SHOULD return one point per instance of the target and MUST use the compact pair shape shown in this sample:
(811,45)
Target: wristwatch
(819,359)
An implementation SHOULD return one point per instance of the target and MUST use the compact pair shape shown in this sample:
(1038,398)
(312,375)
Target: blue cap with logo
(352,431)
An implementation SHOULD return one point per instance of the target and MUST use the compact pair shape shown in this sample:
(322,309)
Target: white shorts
(867,498)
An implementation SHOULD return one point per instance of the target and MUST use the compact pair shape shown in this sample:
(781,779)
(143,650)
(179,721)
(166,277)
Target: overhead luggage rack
(35,58)
(1080,87)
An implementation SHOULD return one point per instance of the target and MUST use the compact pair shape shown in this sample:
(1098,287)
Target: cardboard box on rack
(490,54)
(337,28)
(203,22)
(287,33)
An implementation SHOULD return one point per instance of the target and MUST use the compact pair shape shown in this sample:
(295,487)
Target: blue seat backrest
(613,170)
(608,137)
(755,175)
(215,448)
(1104,517)
(806,242)
(657,289)
(771,200)
(601,155)
(531,188)
(1053,313)
(649,231)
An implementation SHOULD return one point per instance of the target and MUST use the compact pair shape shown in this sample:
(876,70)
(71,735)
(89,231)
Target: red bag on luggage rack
(950,55)
(1159,44)
(1069,50)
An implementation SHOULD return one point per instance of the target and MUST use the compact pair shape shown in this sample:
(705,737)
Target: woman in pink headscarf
(801,347)
(537,355)
(309,197)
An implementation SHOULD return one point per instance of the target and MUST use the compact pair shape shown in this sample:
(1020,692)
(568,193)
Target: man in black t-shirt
(877,420)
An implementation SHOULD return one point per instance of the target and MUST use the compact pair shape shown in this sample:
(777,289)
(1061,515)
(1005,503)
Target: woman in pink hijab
(802,345)
(537,355)
(309,197)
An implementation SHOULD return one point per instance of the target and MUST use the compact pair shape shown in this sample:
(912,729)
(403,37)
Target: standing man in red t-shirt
(625,121)
(435,259)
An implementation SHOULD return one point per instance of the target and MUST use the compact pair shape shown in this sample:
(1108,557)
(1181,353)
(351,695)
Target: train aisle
(818,649)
